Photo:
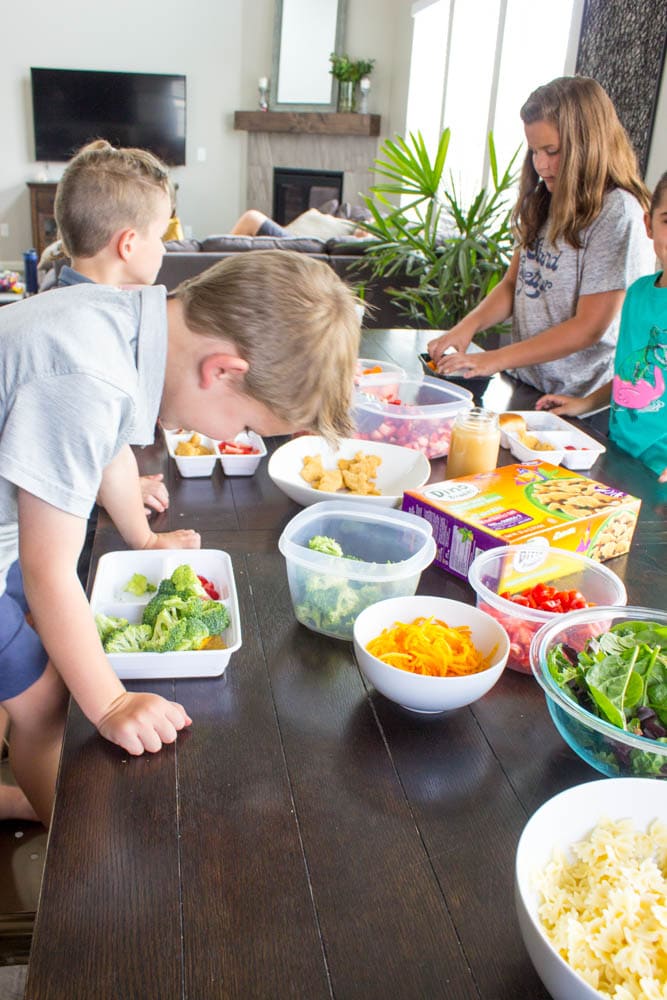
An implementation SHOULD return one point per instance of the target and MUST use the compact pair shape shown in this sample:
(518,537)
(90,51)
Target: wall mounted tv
(73,106)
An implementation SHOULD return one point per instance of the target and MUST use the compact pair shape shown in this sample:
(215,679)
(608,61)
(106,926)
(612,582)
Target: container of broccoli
(170,627)
(342,556)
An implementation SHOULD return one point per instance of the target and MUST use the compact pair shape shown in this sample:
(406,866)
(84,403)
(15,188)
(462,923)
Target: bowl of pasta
(590,887)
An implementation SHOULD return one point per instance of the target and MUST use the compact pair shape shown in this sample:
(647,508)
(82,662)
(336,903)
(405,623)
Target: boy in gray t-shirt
(88,369)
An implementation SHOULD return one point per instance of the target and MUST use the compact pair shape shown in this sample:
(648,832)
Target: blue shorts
(271,228)
(22,656)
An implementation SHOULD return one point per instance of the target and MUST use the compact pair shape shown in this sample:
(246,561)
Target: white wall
(657,158)
(223,47)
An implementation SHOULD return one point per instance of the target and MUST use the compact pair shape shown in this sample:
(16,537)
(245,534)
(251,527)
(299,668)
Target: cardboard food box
(515,504)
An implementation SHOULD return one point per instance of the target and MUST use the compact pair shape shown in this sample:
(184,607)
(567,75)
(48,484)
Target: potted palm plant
(348,72)
(448,256)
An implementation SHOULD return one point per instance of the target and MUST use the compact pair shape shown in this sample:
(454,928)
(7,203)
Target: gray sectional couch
(186,258)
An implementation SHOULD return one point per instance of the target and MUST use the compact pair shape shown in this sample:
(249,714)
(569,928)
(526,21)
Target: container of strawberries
(416,413)
(525,586)
(241,455)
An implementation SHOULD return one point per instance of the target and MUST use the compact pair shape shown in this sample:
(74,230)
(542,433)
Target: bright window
(474,64)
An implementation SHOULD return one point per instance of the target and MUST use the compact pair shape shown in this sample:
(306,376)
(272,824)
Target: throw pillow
(315,223)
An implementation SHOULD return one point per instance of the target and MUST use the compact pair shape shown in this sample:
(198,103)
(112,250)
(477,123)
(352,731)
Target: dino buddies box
(519,503)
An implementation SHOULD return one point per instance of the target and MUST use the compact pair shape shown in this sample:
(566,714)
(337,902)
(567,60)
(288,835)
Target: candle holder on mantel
(364,90)
(263,88)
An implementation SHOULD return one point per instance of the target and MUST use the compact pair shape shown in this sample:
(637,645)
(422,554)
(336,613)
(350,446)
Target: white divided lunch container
(570,447)
(108,597)
(192,465)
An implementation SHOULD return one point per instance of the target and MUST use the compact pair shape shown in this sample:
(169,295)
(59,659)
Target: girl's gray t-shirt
(81,374)
(615,252)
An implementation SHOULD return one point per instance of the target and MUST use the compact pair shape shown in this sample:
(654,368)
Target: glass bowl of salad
(604,674)
(527,586)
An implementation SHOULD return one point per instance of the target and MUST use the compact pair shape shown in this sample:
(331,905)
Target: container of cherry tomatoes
(415,413)
(526,586)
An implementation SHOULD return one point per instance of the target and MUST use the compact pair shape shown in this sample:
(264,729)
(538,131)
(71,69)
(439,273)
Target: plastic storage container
(379,378)
(421,417)
(108,597)
(389,548)
(515,568)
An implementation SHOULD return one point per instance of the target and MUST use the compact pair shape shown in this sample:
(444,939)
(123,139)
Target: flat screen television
(73,106)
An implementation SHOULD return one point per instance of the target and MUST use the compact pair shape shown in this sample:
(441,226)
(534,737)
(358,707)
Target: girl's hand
(452,338)
(565,406)
(662,478)
(469,365)
(154,493)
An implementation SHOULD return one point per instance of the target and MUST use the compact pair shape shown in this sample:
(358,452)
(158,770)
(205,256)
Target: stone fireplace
(334,143)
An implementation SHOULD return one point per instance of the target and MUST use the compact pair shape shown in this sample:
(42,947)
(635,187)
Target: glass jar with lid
(474,443)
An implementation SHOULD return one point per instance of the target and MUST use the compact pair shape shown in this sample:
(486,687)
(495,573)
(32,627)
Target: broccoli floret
(179,617)
(187,583)
(187,606)
(322,543)
(138,585)
(164,623)
(107,625)
(131,639)
(196,632)
(329,603)
(215,616)
(345,606)
(186,634)
(165,590)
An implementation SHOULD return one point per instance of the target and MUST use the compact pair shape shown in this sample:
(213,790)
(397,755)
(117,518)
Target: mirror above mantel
(306,32)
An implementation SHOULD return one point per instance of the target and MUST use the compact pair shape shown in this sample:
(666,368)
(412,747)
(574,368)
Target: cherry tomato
(209,588)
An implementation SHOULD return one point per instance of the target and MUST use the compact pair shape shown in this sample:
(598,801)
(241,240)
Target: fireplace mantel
(307,122)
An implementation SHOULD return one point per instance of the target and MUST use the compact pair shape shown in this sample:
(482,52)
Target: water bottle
(29,272)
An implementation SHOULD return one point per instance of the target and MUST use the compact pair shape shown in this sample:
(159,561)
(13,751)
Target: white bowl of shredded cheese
(591,890)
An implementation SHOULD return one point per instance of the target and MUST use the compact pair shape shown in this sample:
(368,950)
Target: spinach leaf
(649,633)
(561,667)
(610,683)
(656,688)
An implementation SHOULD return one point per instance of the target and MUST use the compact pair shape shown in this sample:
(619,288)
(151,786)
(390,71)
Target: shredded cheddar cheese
(429,646)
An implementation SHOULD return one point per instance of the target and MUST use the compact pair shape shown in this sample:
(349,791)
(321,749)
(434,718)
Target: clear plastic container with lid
(474,443)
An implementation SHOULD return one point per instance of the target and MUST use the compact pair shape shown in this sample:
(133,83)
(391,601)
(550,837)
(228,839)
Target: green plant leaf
(456,253)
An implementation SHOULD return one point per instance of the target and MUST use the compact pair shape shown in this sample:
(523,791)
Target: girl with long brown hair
(581,242)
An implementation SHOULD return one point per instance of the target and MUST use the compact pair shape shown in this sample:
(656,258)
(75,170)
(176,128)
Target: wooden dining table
(307,838)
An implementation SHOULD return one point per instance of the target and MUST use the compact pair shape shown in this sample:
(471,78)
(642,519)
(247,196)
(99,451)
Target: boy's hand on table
(140,722)
(154,493)
(183,538)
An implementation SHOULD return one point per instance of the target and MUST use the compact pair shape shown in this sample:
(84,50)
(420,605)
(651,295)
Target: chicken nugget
(312,469)
(331,481)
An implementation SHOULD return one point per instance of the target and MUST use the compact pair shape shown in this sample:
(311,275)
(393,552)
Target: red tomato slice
(209,588)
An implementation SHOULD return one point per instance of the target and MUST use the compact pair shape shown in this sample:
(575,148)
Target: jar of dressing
(474,443)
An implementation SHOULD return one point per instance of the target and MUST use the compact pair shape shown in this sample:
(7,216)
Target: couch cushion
(182,246)
(239,244)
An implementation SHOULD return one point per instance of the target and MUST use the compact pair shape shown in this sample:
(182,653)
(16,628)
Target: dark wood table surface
(308,838)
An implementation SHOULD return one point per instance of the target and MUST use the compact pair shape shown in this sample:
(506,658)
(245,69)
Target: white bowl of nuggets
(591,890)
(308,471)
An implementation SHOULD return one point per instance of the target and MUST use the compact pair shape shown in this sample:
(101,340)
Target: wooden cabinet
(42,197)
